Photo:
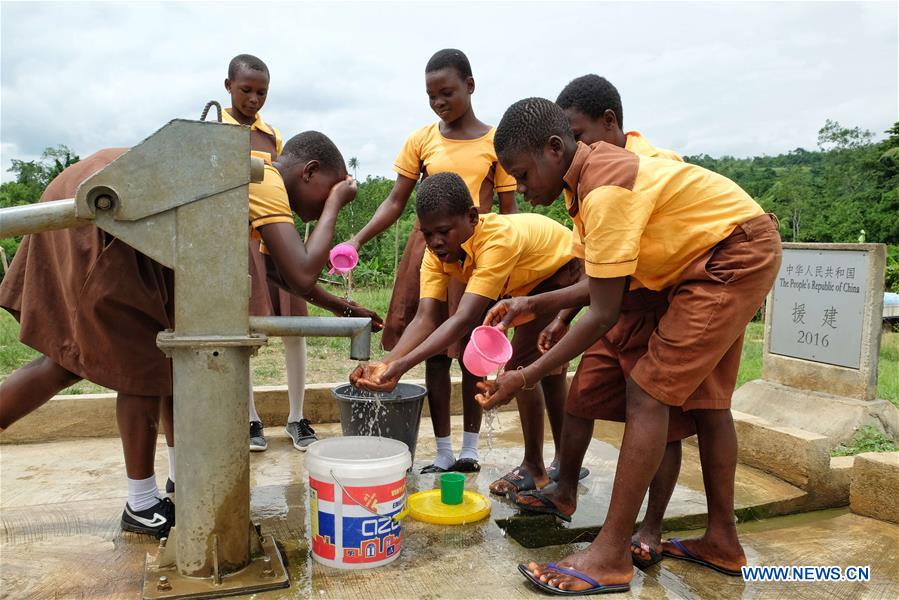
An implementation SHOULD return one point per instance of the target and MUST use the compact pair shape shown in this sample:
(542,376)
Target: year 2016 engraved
(813,339)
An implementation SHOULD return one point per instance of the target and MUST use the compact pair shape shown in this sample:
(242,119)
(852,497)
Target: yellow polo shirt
(507,255)
(268,202)
(648,217)
(636,143)
(261,126)
(426,152)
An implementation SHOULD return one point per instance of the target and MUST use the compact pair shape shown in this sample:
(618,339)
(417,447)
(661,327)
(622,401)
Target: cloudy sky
(718,78)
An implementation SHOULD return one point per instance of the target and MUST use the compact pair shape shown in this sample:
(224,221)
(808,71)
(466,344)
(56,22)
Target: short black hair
(313,145)
(592,95)
(443,192)
(528,124)
(450,57)
(245,61)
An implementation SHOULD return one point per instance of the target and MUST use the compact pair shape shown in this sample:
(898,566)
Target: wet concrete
(61,503)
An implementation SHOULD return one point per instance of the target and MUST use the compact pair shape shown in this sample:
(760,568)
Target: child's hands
(352,309)
(362,375)
(343,192)
(510,313)
(375,377)
(356,374)
(499,391)
(551,334)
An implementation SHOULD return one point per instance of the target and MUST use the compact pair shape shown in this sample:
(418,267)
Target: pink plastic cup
(487,350)
(344,259)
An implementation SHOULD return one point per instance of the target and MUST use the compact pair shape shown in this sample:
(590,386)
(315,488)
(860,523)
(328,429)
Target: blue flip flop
(597,588)
(690,557)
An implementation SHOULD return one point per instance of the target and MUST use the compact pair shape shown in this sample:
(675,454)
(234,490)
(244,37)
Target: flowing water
(491,421)
(372,409)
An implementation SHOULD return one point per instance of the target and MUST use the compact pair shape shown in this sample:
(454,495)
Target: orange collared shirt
(261,126)
(648,217)
(427,152)
(638,144)
(507,255)
(268,202)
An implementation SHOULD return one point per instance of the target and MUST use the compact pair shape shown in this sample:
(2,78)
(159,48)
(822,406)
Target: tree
(792,196)
(834,136)
(353,163)
(32,176)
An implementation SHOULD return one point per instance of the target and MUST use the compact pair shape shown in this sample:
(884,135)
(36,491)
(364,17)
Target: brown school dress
(267,299)
(90,302)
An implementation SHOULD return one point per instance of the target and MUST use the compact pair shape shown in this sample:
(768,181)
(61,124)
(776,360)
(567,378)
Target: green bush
(891,278)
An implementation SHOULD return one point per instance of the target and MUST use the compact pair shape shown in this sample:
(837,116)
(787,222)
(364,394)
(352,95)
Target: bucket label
(323,538)
(365,537)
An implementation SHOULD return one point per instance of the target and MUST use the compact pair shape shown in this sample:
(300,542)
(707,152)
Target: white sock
(469,445)
(171,450)
(295,361)
(254,416)
(444,458)
(142,493)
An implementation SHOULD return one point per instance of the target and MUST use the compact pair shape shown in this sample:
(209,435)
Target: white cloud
(718,78)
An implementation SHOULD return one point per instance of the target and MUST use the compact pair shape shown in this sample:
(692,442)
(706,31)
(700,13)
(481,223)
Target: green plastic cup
(451,487)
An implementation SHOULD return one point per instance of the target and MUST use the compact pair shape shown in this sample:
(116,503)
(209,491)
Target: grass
(866,439)
(751,359)
(328,358)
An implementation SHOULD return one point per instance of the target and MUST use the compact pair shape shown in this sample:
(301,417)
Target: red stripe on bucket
(325,490)
(371,495)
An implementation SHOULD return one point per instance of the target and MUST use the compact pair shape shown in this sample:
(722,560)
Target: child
(592,106)
(493,255)
(666,225)
(68,291)
(247,84)
(460,143)
(93,305)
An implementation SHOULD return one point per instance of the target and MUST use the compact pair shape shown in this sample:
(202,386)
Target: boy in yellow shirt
(494,256)
(593,108)
(665,225)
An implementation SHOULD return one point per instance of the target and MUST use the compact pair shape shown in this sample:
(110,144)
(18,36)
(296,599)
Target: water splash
(491,421)
(370,408)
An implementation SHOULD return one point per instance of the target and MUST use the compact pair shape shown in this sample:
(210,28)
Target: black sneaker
(301,433)
(257,437)
(169,486)
(156,520)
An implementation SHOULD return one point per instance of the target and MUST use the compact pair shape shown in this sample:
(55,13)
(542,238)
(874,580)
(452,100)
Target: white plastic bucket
(357,485)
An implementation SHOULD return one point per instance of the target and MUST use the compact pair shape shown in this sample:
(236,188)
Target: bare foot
(727,555)
(565,502)
(589,561)
(643,541)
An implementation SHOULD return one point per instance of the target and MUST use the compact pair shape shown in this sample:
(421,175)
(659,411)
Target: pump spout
(358,329)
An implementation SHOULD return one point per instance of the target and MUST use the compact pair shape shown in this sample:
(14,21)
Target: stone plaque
(818,306)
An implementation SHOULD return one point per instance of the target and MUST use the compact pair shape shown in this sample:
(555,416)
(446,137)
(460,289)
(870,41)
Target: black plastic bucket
(397,417)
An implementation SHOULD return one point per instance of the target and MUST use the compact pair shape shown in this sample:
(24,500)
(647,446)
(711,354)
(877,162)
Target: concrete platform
(61,503)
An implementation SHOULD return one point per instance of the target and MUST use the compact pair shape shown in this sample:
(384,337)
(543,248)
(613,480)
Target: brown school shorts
(598,390)
(687,354)
(524,340)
